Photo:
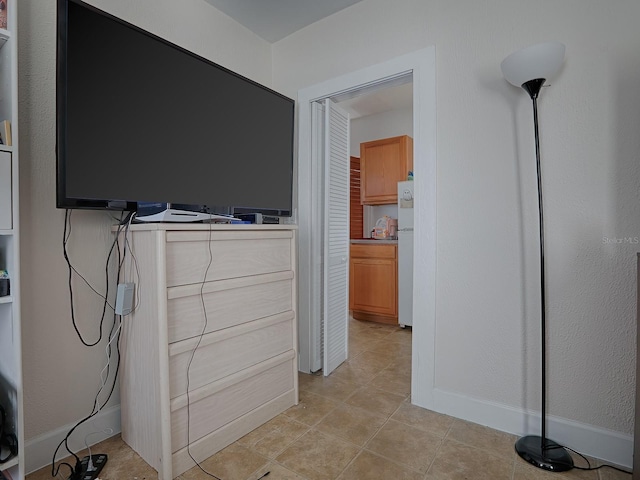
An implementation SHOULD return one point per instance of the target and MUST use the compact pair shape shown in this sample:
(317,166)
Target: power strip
(98,462)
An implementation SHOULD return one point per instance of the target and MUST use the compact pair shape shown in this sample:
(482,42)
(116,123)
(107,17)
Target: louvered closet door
(336,239)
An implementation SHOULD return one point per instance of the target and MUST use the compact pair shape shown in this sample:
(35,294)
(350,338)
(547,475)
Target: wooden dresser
(231,338)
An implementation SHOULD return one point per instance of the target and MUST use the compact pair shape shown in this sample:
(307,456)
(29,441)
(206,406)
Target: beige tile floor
(357,424)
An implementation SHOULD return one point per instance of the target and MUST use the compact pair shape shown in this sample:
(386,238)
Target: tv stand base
(182,216)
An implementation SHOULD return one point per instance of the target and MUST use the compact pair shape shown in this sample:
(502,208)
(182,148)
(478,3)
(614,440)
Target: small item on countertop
(382,229)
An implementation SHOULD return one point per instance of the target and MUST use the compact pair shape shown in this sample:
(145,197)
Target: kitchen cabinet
(373,285)
(384,163)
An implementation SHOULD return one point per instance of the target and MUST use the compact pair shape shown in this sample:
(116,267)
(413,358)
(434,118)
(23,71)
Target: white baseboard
(612,447)
(39,450)
(607,445)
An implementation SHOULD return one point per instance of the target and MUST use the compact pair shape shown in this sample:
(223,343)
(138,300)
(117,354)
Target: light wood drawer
(373,251)
(232,255)
(227,303)
(227,351)
(221,402)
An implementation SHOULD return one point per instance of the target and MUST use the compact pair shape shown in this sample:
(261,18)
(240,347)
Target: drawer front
(208,445)
(373,251)
(228,351)
(230,256)
(228,303)
(208,414)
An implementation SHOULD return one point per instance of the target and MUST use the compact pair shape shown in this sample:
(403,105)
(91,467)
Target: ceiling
(379,101)
(275,19)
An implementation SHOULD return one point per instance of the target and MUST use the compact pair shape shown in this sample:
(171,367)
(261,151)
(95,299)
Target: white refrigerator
(405,253)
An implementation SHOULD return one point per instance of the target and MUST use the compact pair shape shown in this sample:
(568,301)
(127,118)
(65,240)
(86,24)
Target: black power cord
(588,467)
(193,352)
(76,472)
(72,270)
(7,440)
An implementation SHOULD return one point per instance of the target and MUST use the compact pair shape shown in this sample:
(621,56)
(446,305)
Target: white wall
(382,125)
(488,342)
(60,375)
(487,336)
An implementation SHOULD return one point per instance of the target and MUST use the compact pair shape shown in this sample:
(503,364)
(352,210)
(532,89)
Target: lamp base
(553,457)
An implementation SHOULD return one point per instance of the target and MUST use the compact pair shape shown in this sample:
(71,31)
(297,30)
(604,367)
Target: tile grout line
(363,447)
(359,387)
(395,462)
(343,402)
(435,455)
(513,469)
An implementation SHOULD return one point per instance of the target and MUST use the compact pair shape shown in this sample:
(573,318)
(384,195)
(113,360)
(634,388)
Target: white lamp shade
(542,60)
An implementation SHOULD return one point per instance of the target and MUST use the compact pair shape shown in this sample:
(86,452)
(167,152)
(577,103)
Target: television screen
(140,119)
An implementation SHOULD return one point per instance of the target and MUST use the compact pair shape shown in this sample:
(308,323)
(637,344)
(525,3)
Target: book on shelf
(3,13)
(5,133)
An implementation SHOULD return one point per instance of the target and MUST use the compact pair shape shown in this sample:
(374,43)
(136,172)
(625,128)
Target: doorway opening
(420,67)
(378,287)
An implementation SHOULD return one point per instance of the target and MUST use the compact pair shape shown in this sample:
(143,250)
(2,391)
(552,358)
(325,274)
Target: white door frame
(421,64)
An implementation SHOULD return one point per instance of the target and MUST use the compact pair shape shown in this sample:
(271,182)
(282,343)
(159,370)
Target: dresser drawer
(227,255)
(228,351)
(219,403)
(227,303)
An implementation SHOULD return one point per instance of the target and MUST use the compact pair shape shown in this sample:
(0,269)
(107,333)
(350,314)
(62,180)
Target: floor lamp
(529,68)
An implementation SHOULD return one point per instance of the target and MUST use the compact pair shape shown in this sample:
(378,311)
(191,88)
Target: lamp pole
(540,451)
(533,87)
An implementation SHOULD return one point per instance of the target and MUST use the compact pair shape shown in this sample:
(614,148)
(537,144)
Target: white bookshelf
(10,327)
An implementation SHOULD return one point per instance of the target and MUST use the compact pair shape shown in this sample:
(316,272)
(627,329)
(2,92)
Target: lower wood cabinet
(373,284)
(209,351)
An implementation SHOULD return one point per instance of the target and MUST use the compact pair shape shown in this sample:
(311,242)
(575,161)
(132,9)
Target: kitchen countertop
(373,241)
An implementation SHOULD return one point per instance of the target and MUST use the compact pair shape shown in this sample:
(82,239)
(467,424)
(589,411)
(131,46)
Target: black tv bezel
(65,202)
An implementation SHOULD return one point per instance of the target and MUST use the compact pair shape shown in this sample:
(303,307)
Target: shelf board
(6,148)
(6,299)
(11,463)
(4,36)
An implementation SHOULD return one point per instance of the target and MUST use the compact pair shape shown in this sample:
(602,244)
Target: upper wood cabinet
(384,163)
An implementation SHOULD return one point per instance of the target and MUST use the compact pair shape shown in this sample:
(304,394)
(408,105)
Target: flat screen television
(141,120)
